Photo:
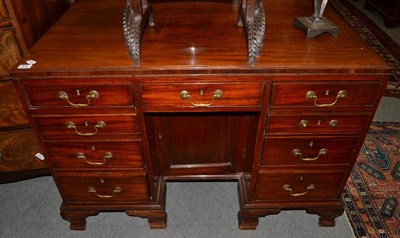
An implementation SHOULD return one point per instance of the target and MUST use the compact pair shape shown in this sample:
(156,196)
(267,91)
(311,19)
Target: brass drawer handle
(333,123)
(288,188)
(107,156)
(99,124)
(91,95)
(297,153)
(115,190)
(312,95)
(303,123)
(186,95)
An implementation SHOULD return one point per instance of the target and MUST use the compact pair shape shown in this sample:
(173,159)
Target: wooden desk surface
(197,36)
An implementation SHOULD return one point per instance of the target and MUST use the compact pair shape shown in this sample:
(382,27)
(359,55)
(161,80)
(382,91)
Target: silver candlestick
(317,23)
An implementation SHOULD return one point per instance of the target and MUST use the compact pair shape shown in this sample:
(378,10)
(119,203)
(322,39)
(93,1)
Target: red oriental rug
(388,49)
(372,194)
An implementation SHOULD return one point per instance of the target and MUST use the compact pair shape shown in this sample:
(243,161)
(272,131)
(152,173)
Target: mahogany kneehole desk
(288,129)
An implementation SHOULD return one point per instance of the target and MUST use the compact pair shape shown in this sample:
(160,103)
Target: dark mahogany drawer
(95,155)
(78,96)
(88,127)
(104,187)
(325,94)
(299,185)
(164,96)
(308,150)
(297,124)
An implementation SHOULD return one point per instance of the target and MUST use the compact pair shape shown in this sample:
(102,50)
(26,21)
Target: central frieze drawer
(103,187)
(326,94)
(324,123)
(163,96)
(299,185)
(78,127)
(95,154)
(308,150)
(79,95)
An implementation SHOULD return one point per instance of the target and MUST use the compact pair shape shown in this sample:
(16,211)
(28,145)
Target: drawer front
(299,186)
(308,150)
(17,151)
(78,96)
(201,95)
(104,187)
(10,53)
(11,112)
(298,124)
(95,155)
(85,127)
(326,94)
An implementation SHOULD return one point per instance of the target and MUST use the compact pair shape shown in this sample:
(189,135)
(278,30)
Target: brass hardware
(311,95)
(99,124)
(297,153)
(2,154)
(333,123)
(288,188)
(303,123)
(91,95)
(107,156)
(115,190)
(186,95)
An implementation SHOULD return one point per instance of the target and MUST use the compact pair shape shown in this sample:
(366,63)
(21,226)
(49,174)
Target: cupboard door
(209,143)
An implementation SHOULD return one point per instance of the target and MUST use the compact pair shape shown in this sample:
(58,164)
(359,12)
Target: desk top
(196,37)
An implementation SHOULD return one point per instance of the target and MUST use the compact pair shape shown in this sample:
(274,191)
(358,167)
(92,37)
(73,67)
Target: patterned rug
(372,194)
(375,37)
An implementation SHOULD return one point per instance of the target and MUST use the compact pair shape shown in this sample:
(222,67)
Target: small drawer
(325,94)
(308,150)
(103,187)
(299,185)
(85,127)
(17,151)
(78,96)
(95,155)
(165,96)
(303,124)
